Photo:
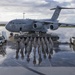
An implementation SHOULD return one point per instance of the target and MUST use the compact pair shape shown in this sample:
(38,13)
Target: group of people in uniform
(25,46)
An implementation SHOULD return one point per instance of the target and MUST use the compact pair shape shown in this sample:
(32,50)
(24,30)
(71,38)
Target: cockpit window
(11,22)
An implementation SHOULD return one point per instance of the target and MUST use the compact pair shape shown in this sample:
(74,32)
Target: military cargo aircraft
(30,25)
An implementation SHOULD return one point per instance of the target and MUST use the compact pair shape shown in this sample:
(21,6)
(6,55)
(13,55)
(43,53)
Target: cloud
(61,1)
(33,8)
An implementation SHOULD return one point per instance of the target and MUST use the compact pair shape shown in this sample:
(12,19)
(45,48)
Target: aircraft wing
(66,24)
(59,24)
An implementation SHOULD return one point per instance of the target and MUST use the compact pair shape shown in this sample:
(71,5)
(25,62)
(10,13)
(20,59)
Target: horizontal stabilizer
(61,8)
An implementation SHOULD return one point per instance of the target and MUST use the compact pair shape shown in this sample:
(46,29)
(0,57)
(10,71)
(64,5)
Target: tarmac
(62,62)
(62,56)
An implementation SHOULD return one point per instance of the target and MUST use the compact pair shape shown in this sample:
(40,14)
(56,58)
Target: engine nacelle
(54,26)
(37,25)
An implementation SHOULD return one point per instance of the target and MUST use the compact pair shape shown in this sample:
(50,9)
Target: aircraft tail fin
(57,12)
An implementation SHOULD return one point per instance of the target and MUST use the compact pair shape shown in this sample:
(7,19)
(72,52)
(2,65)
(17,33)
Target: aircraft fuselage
(24,25)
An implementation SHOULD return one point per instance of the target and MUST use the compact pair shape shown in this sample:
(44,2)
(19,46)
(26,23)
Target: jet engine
(37,25)
(54,26)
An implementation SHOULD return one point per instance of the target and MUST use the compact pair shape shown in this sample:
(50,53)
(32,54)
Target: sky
(35,9)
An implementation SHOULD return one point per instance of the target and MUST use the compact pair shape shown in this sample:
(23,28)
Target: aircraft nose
(7,27)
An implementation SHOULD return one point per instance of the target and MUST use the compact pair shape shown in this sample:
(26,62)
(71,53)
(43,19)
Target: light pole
(23,15)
